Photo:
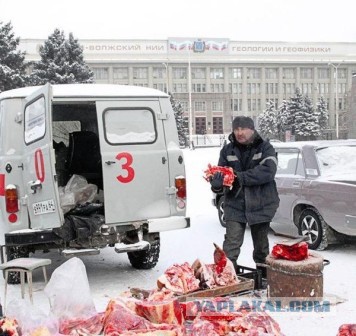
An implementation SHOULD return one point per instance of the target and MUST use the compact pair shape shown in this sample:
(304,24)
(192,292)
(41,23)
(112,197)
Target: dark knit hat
(243,122)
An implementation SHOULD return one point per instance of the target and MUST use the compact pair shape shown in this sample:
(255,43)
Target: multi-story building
(217,79)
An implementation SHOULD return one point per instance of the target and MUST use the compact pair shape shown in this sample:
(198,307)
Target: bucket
(303,278)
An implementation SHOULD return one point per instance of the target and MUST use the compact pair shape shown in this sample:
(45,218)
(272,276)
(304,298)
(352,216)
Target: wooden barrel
(287,278)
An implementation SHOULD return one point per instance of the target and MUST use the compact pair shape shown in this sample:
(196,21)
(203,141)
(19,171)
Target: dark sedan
(316,181)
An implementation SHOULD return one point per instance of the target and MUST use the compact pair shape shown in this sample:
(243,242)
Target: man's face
(244,135)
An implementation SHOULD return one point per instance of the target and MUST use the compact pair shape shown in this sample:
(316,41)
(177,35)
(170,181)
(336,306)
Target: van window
(35,121)
(128,126)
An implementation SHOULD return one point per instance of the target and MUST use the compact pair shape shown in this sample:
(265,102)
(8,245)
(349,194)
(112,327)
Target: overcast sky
(237,20)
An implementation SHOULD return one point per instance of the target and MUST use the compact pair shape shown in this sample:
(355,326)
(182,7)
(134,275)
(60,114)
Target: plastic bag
(68,291)
(77,191)
(31,319)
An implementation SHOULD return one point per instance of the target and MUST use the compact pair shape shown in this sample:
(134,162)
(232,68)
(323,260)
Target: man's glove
(217,181)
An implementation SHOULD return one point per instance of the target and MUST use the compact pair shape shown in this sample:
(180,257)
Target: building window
(323,88)
(120,73)
(216,87)
(306,73)
(307,88)
(200,125)
(160,86)
(342,73)
(184,105)
(236,104)
(159,73)
(218,125)
(217,106)
(180,73)
(200,106)
(323,73)
(235,88)
(271,73)
(141,84)
(254,105)
(253,88)
(140,73)
(289,88)
(180,87)
(235,73)
(271,88)
(198,87)
(288,73)
(101,73)
(198,73)
(217,73)
(254,73)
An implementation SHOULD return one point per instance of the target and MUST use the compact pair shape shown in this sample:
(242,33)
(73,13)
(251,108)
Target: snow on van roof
(87,90)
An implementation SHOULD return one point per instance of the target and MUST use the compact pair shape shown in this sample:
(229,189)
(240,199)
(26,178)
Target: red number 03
(127,157)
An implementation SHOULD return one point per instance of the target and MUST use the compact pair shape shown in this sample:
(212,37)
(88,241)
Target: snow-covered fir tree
(61,62)
(284,120)
(267,121)
(12,61)
(306,121)
(181,121)
(322,114)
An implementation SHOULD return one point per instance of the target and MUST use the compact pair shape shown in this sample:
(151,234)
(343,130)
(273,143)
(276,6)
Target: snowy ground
(109,273)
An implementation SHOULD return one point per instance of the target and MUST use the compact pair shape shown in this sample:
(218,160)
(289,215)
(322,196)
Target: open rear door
(39,162)
(135,160)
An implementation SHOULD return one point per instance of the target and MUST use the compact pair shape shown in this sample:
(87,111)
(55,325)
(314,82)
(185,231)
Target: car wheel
(146,259)
(312,225)
(221,212)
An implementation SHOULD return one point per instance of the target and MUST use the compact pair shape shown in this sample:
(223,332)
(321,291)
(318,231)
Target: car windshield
(337,160)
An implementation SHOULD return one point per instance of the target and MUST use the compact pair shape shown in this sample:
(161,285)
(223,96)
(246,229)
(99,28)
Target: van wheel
(146,259)
(15,253)
(312,225)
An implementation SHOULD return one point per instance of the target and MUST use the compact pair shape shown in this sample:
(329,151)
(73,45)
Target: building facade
(217,79)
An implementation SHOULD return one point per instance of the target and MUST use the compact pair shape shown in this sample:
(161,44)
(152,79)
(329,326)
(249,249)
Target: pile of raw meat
(169,310)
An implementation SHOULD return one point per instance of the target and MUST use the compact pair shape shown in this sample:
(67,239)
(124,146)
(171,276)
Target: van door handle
(110,162)
(164,160)
(34,185)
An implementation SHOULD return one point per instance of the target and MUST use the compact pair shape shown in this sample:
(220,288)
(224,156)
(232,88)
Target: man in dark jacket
(253,198)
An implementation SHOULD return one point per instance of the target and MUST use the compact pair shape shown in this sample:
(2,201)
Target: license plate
(43,207)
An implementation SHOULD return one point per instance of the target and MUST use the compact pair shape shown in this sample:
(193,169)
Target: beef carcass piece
(179,278)
(89,326)
(221,273)
(255,323)
(205,274)
(347,330)
(168,311)
(153,333)
(120,320)
(225,273)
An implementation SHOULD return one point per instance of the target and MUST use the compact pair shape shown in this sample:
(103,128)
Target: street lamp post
(190,101)
(336,99)
(167,78)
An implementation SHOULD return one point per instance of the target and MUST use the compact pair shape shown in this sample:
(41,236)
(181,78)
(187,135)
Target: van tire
(15,253)
(146,259)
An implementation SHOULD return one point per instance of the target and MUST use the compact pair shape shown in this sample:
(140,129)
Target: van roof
(87,90)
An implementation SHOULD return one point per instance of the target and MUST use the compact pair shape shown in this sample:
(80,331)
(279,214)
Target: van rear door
(39,163)
(134,159)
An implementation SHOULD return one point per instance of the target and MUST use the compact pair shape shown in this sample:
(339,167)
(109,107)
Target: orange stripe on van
(2,184)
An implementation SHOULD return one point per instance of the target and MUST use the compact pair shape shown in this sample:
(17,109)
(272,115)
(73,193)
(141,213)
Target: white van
(85,166)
